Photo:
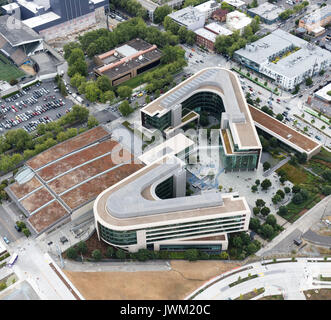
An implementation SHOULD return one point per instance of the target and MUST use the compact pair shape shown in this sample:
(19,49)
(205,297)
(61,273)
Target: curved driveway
(287,278)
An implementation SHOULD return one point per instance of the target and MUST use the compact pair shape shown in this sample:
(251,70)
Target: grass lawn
(9,71)
(294,174)
(251,294)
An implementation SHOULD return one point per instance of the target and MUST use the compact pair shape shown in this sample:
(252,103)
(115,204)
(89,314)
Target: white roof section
(10,6)
(206,34)
(237,20)
(235,3)
(318,15)
(32,6)
(323,93)
(219,29)
(172,146)
(187,16)
(126,50)
(268,11)
(41,20)
(318,29)
(96,1)
(206,6)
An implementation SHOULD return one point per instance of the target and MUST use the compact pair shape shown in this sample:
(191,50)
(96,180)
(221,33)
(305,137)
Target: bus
(13,260)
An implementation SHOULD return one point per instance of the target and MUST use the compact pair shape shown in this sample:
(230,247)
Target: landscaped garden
(250,295)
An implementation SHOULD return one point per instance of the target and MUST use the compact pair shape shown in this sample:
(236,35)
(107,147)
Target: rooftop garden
(285,54)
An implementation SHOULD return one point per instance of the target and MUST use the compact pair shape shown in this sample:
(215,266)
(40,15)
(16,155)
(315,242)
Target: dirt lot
(321,294)
(176,284)
(68,146)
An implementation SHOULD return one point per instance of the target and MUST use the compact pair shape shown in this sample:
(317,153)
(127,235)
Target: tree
(160,13)
(267,230)
(260,203)
(82,247)
(257,182)
(92,92)
(110,252)
(120,254)
(143,255)
(309,81)
(254,188)
(237,242)
(254,224)
(283,210)
(96,255)
(276,198)
(107,96)
(266,184)
(104,83)
(256,210)
(327,175)
(124,91)
(92,122)
(125,108)
(72,253)
(191,254)
(251,248)
(297,198)
(296,188)
(280,117)
(271,220)
(287,190)
(265,211)
(26,232)
(281,193)
(266,166)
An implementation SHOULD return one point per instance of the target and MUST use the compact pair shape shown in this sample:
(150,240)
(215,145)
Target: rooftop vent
(289,136)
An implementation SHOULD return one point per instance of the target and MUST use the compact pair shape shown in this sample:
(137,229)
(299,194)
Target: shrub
(82,247)
(191,254)
(120,254)
(26,232)
(96,255)
(110,252)
(72,253)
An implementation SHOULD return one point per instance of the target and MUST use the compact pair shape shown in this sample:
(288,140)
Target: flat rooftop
(288,135)
(70,175)
(223,82)
(116,208)
(323,93)
(18,35)
(42,19)
(187,16)
(202,32)
(268,11)
(218,29)
(134,54)
(318,15)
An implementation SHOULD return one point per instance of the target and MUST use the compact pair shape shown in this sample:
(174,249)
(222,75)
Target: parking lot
(40,103)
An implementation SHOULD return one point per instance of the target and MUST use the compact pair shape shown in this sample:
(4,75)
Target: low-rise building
(316,19)
(268,12)
(207,8)
(189,17)
(323,95)
(220,14)
(127,61)
(284,58)
(238,4)
(237,21)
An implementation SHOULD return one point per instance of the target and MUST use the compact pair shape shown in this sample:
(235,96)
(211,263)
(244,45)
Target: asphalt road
(50,113)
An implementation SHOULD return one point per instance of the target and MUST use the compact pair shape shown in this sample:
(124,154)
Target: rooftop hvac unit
(140,58)
(289,136)
(116,54)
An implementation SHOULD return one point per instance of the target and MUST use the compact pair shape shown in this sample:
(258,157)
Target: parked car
(5,239)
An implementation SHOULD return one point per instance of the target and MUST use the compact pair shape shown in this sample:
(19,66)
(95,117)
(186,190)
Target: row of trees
(289,12)
(133,7)
(267,230)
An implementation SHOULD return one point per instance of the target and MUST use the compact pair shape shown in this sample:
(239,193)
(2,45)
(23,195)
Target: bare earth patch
(184,278)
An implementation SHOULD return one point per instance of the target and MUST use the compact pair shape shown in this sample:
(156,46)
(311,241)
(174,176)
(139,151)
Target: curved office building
(218,92)
(149,209)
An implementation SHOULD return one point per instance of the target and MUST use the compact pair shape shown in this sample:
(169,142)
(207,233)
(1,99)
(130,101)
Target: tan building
(316,20)
(127,61)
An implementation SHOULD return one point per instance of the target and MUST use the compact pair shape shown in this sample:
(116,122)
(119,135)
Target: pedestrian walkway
(276,167)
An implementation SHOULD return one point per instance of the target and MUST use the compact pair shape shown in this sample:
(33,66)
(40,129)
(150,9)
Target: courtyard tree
(271,220)
(254,224)
(260,203)
(296,188)
(281,193)
(276,198)
(287,190)
(266,166)
(266,183)
(254,188)
(297,198)
(267,230)
(257,182)
(265,211)
(256,210)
